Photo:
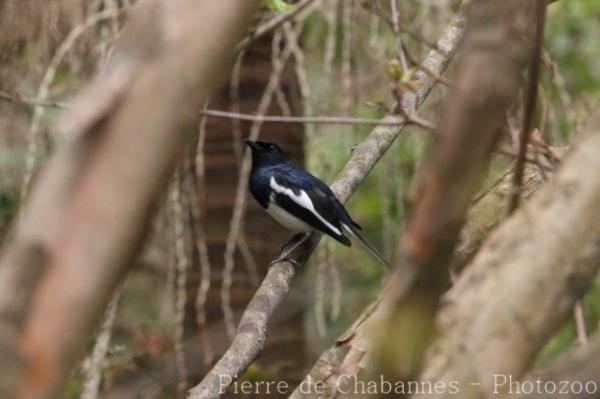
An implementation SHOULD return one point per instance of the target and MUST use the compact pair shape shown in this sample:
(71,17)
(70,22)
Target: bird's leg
(289,247)
(293,240)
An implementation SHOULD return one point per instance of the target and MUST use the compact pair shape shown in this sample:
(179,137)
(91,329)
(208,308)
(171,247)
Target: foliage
(278,5)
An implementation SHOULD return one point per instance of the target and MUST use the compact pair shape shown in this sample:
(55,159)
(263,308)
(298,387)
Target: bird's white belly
(287,220)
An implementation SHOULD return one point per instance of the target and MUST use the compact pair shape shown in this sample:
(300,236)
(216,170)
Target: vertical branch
(579,316)
(241,195)
(391,194)
(532,90)
(301,75)
(336,284)
(374,30)
(280,97)
(236,125)
(181,268)
(347,78)
(91,385)
(396,25)
(320,289)
(248,258)
(198,189)
(234,95)
(331,20)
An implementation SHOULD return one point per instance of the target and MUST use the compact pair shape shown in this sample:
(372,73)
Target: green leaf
(278,5)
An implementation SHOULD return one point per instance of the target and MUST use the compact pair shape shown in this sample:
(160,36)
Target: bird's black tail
(356,233)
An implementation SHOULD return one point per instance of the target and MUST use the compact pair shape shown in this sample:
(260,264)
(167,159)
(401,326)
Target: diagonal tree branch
(251,333)
(490,208)
(524,281)
(580,364)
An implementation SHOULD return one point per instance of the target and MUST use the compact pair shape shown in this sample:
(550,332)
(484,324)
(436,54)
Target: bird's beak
(250,143)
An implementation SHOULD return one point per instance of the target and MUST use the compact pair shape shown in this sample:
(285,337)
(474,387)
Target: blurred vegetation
(355,83)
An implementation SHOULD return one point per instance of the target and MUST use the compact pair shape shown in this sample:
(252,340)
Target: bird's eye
(271,148)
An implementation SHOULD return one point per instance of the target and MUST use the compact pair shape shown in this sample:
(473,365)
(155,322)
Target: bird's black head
(265,153)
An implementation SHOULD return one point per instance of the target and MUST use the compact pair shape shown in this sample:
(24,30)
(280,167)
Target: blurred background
(176,311)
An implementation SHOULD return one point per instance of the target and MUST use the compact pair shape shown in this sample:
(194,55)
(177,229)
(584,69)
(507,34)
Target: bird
(298,200)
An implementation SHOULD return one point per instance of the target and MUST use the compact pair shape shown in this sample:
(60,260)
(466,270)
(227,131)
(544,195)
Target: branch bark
(579,364)
(89,213)
(524,281)
(491,206)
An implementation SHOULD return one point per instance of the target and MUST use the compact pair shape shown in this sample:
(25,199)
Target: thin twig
(374,30)
(91,386)
(347,78)
(32,102)
(325,120)
(378,11)
(248,258)
(272,24)
(565,98)
(234,94)
(336,120)
(582,337)
(234,97)
(336,283)
(280,97)
(320,290)
(331,21)
(418,37)
(414,119)
(241,195)
(301,75)
(504,150)
(182,266)
(399,45)
(414,60)
(44,89)
(201,245)
(534,71)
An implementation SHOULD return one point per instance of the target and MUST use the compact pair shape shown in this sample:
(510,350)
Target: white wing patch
(304,201)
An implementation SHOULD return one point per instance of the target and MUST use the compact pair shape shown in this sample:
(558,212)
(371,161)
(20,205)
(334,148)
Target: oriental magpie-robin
(298,200)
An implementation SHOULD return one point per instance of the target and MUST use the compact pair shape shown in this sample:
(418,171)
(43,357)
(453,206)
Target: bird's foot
(291,242)
(294,262)
(294,242)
